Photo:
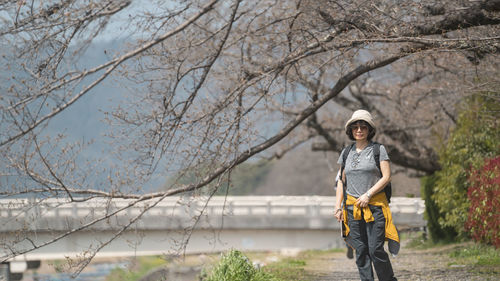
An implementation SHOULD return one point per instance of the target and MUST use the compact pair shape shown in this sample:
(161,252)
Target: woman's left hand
(362,201)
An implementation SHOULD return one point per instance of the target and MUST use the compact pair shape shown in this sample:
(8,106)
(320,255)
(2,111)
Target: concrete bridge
(250,223)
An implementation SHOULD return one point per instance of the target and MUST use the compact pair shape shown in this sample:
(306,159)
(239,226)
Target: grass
(476,257)
(418,240)
(139,268)
(479,258)
(296,268)
(289,269)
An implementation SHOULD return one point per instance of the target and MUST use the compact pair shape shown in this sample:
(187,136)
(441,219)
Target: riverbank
(417,260)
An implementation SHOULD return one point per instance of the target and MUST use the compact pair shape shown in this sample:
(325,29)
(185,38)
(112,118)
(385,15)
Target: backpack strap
(345,153)
(376,155)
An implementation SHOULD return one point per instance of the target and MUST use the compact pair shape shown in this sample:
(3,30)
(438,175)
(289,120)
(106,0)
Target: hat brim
(355,119)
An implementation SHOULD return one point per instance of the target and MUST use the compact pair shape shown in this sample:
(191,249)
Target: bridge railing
(248,212)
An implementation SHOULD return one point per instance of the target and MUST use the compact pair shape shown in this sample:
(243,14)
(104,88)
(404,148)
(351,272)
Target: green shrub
(475,137)
(235,266)
(484,195)
(432,214)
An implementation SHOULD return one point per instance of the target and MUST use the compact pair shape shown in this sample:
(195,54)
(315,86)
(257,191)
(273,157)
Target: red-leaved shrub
(483,221)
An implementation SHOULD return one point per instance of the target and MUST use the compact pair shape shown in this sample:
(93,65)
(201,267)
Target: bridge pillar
(13,271)
(7,275)
(16,270)
(34,264)
(15,277)
(4,271)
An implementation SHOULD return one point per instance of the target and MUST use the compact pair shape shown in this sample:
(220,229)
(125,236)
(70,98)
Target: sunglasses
(359,127)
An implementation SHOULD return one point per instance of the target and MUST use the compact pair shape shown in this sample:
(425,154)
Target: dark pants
(368,241)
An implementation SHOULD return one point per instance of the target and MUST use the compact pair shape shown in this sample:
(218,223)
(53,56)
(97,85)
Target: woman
(368,220)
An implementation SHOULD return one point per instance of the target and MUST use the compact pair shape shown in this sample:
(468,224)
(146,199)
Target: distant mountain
(307,172)
(299,172)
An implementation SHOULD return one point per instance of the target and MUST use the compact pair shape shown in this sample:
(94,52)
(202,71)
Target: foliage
(235,266)
(432,214)
(483,220)
(141,266)
(476,136)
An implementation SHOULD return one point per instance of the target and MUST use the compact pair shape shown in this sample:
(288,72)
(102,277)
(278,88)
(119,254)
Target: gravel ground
(411,264)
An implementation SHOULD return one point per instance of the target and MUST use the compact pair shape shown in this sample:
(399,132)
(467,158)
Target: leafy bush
(235,266)
(484,195)
(432,214)
(476,136)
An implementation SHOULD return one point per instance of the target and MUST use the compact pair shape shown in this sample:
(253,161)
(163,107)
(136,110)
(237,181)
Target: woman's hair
(371,131)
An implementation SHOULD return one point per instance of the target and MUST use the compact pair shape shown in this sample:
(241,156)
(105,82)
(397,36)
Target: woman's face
(359,131)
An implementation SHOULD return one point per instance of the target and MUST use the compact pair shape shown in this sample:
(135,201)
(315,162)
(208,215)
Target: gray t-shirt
(360,169)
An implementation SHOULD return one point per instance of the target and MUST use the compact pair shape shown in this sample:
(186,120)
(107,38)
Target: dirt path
(410,264)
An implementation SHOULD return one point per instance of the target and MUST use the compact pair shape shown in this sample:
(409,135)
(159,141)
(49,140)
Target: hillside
(307,172)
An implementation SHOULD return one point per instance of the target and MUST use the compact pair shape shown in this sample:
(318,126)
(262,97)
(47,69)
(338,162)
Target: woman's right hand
(339,214)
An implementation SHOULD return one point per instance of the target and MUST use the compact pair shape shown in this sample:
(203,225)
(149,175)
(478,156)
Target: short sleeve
(383,154)
(337,177)
(341,159)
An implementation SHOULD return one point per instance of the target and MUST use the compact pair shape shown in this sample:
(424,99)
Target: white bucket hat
(360,115)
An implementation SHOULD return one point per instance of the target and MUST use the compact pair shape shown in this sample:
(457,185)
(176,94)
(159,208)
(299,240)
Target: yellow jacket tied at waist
(379,200)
